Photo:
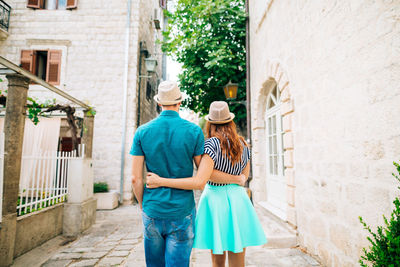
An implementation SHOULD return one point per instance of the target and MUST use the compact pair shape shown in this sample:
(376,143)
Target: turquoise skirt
(226,220)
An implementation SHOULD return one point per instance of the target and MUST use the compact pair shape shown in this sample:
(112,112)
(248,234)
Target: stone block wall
(150,37)
(342,133)
(92,40)
(147,34)
(36,228)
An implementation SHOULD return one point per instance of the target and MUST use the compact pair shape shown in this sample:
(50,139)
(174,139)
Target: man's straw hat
(169,93)
(219,113)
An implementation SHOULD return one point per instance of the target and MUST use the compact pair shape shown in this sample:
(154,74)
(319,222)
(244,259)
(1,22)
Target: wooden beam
(43,83)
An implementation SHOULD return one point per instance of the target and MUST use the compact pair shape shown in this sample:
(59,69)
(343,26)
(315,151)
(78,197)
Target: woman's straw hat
(169,93)
(219,113)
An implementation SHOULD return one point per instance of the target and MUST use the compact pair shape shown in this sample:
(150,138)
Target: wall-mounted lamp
(230,90)
(151,64)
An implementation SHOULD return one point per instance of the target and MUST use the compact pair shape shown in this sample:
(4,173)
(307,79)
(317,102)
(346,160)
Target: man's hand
(153,180)
(242,180)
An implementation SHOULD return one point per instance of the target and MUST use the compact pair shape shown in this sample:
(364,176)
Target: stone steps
(279,234)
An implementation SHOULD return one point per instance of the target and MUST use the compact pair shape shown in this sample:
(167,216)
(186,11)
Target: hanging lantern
(230,90)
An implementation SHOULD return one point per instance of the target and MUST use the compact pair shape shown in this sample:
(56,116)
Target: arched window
(274,133)
(276,182)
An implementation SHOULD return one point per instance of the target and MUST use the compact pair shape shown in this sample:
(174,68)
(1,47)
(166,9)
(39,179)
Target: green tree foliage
(385,244)
(209,38)
(35,109)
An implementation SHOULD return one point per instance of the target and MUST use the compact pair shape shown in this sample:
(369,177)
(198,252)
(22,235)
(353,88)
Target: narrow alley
(302,95)
(116,240)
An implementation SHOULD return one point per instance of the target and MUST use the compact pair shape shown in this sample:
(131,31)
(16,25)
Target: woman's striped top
(212,147)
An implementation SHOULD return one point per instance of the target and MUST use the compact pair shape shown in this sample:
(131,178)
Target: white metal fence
(44,177)
(1,173)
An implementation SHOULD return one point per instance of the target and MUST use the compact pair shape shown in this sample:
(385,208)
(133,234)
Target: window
(274,134)
(55,4)
(163,4)
(45,64)
(52,4)
(149,91)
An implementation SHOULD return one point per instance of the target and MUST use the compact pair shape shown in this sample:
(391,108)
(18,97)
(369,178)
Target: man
(168,145)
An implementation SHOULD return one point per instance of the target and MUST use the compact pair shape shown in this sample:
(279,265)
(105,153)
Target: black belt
(215,184)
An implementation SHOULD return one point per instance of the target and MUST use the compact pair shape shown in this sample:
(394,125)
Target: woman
(226,220)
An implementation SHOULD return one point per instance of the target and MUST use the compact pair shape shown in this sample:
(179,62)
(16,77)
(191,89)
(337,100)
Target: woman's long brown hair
(231,142)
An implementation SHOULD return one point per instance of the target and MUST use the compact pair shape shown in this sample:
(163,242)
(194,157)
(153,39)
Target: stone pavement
(116,240)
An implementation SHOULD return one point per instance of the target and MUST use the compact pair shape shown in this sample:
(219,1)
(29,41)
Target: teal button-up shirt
(168,144)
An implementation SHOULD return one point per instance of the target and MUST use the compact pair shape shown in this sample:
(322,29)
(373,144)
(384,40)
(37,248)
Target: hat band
(219,120)
(179,98)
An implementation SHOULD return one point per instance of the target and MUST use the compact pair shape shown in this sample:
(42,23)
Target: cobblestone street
(116,240)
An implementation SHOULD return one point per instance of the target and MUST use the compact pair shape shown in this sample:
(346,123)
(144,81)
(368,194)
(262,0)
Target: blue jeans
(168,242)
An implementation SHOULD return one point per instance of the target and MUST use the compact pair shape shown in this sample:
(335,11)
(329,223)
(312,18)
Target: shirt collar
(170,113)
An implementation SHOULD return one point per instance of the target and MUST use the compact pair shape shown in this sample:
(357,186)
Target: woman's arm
(226,178)
(203,174)
(206,169)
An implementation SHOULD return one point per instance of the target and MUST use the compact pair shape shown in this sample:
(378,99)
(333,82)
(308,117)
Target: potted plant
(106,200)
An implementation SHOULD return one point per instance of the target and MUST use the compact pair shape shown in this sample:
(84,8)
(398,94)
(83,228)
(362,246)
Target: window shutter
(163,4)
(53,67)
(34,4)
(28,60)
(71,4)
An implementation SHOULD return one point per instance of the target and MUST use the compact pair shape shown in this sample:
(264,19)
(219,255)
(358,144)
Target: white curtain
(40,142)
(41,137)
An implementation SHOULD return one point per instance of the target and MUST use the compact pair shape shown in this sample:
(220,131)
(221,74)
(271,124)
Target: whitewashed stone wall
(92,40)
(342,132)
(146,33)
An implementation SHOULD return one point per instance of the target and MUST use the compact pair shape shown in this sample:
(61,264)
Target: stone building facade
(84,48)
(325,118)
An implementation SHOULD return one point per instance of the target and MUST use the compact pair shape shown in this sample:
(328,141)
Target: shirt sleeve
(136,149)
(210,149)
(199,149)
(248,153)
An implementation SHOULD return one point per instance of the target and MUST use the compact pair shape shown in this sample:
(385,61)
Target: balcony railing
(4,15)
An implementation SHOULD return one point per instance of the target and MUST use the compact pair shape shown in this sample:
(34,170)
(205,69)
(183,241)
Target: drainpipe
(248,92)
(125,100)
